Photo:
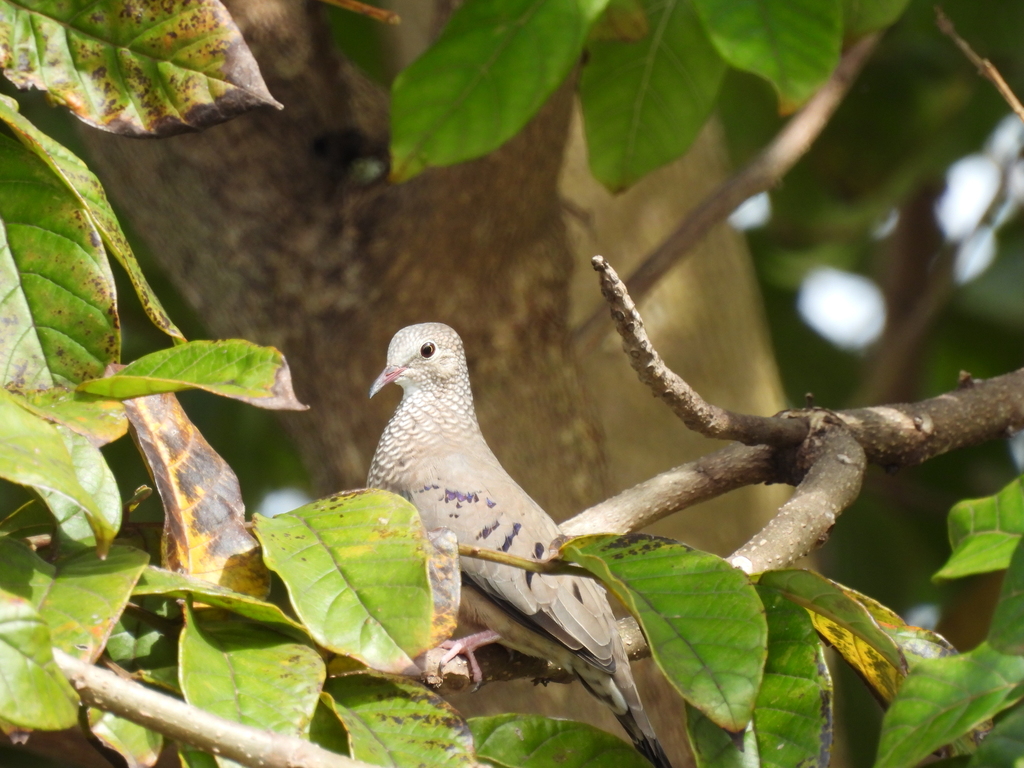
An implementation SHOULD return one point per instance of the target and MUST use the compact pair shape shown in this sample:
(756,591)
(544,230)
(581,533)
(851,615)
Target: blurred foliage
(917,107)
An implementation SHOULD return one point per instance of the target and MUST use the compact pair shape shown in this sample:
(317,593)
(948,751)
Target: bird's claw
(467,646)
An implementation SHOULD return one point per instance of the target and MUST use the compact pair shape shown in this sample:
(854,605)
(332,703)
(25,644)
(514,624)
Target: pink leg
(466,646)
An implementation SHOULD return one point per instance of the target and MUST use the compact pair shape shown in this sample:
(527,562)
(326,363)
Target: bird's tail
(643,737)
(619,693)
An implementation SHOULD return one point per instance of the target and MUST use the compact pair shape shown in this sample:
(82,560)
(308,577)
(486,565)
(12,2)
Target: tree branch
(830,485)
(724,470)
(985,67)
(905,434)
(822,452)
(761,174)
(695,412)
(182,722)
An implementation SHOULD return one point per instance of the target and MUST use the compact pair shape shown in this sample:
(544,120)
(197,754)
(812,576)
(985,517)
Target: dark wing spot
(488,530)
(576,592)
(538,550)
(510,537)
(529,579)
(491,504)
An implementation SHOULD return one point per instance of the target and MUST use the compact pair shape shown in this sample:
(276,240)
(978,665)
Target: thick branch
(828,471)
(724,470)
(906,434)
(761,174)
(695,412)
(831,484)
(182,722)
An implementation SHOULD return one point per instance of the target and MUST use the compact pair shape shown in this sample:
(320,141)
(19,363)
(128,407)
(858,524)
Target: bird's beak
(389,374)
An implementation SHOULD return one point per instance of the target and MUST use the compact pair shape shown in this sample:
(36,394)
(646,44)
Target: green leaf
(99,419)
(32,453)
(644,102)
(30,519)
(792,722)
(94,475)
(533,741)
(1006,634)
(793,714)
(233,368)
(356,568)
(702,618)
(155,69)
(138,745)
(494,65)
(623,20)
(33,691)
(944,699)
(393,721)
(58,306)
(249,673)
(80,597)
(145,642)
(157,581)
(863,16)
(1004,745)
(826,598)
(715,747)
(193,758)
(794,44)
(983,533)
(87,188)
(326,729)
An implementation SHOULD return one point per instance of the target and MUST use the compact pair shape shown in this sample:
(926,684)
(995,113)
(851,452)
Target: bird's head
(426,356)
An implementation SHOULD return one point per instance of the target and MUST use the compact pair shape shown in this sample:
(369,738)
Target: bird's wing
(473,496)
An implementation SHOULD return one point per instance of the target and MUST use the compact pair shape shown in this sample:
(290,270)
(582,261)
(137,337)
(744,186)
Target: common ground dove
(433,453)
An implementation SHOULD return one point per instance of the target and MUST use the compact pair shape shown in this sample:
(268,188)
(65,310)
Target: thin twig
(364,9)
(535,566)
(182,722)
(695,412)
(760,175)
(985,67)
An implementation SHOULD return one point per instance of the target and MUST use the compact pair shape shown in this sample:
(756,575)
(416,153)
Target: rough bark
(265,226)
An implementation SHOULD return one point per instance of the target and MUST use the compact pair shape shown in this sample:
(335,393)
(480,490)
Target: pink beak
(389,374)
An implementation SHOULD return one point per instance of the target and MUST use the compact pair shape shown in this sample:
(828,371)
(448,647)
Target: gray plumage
(433,453)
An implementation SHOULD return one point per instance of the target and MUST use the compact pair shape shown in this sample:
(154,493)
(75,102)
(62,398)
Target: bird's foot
(467,647)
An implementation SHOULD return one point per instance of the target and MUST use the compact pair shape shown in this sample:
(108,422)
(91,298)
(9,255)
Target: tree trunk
(272,227)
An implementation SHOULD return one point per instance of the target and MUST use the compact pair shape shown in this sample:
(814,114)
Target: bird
(433,453)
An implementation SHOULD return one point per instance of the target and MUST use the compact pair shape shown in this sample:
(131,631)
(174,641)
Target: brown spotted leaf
(445,582)
(843,620)
(58,308)
(396,722)
(79,597)
(83,183)
(204,524)
(356,566)
(133,67)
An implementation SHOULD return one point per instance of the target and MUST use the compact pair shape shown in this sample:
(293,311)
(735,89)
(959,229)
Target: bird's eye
(427,350)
